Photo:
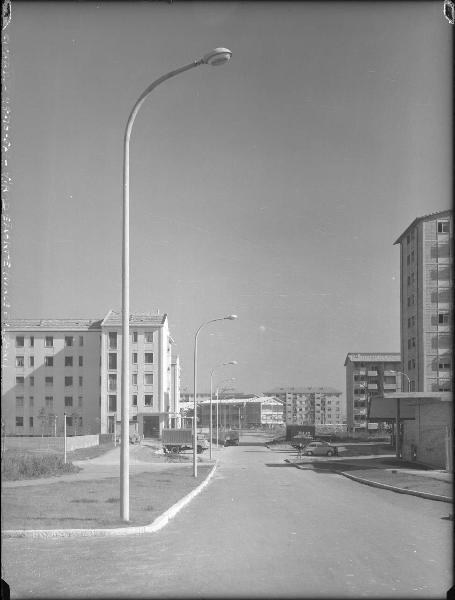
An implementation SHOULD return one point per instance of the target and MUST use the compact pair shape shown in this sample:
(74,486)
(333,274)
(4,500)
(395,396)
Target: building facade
(73,367)
(51,367)
(367,375)
(426,302)
(311,405)
(241,413)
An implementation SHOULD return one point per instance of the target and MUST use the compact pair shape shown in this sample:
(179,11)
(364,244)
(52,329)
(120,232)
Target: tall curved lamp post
(219,56)
(231,362)
(228,318)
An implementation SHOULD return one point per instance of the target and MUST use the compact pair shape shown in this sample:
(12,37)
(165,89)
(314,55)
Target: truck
(176,440)
(231,438)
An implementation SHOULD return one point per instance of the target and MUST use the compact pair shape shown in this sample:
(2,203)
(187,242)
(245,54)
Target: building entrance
(151,426)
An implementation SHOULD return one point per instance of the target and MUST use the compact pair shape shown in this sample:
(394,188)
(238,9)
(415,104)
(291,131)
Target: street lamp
(407,377)
(231,362)
(216,57)
(398,417)
(228,318)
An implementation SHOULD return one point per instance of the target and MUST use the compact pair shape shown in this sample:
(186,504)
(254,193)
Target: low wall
(52,443)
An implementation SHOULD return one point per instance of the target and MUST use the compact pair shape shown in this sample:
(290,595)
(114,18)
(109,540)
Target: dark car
(231,439)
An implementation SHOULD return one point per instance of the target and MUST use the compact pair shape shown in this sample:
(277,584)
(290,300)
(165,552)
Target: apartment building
(311,405)
(53,367)
(367,375)
(426,302)
(241,413)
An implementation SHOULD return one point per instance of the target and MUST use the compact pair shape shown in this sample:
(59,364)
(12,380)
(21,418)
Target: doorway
(151,426)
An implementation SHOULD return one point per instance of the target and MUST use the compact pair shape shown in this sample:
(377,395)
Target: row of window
(48,361)
(48,341)
(112,401)
(69,422)
(48,381)
(148,338)
(112,359)
(112,380)
(49,401)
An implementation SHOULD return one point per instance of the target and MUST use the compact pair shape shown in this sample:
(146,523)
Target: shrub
(30,466)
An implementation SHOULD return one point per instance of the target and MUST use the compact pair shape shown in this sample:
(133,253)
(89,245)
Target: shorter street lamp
(217,402)
(407,377)
(231,362)
(228,318)
(397,417)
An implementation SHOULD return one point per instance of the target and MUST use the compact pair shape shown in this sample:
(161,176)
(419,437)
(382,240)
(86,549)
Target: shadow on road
(279,464)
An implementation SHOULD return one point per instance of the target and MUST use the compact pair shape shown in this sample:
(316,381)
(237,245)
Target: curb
(156,525)
(391,488)
(399,490)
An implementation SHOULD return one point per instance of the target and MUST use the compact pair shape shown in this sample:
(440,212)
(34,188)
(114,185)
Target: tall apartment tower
(369,374)
(426,302)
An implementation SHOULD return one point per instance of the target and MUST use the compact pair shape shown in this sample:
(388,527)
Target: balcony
(390,386)
(372,373)
(372,386)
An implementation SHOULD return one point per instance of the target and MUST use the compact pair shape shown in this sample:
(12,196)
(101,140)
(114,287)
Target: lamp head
(216,57)
(232,362)
(231,317)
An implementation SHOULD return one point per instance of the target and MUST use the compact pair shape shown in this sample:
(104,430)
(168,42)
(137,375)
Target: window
(49,400)
(68,401)
(19,361)
(32,380)
(443,226)
(444,385)
(49,341)
(409,364)
(32,341)
(409,280)
(68,361)
(412,278)
(409,343)
(31,401)
(134,337)
(134,358)
(19,401)
(19,341)
(444,364)
(80,421)
(112,403)
(112,360)
(148,337)
(408,259)
(81,381)
(409,301)
(19,381)
(31,361)
(19,421)
(81,340)
(48,361)
(80,401)
(148,378)
(68,381)
(413,342)
(412,256)
(112,340)
(49,381)
(81,361)
(69,421)
(30,422)
(443,318)
(409,322)
(112,382)
(413,321)
(134,399)
(134,379)
(148,359)
(408,239)
(69,341)
(148,399)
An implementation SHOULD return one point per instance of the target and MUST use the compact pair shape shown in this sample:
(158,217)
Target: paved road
(260,529)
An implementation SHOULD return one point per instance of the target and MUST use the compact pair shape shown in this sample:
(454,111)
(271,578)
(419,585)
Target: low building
(241,413)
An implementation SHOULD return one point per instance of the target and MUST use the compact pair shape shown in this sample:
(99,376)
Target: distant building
(426,302)
(73,366)
(241,413)
(310,405)
(369,374)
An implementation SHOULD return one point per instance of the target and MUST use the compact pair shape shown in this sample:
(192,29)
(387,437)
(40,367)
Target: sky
(272,187)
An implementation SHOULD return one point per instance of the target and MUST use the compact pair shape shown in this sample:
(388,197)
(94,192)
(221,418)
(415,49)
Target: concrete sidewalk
(387,472)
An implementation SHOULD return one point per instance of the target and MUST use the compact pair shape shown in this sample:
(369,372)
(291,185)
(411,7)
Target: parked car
(231,438)
(320,449)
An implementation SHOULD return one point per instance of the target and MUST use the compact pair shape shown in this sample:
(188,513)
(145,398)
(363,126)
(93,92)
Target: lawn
(95,504)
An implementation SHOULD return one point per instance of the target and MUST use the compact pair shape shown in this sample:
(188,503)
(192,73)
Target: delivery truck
(176,440)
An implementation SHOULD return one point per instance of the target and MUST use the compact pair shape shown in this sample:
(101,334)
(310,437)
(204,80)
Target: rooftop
(429,217)
(373,357)
(52,324)
(303,390)
(115,319)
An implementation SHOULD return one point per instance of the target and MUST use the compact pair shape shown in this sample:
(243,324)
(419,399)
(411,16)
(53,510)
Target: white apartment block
(54,367)
(51,367)
(426,302)
(311,405)
(369,374)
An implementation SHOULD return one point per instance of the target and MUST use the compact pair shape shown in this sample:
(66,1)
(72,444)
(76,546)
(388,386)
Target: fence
(51,443)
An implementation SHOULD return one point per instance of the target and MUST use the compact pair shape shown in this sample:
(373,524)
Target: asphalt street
(262,528)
